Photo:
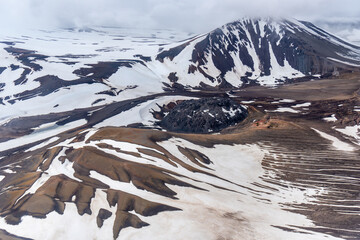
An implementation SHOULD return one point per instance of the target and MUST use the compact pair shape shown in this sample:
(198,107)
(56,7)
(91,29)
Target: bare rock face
(204,115)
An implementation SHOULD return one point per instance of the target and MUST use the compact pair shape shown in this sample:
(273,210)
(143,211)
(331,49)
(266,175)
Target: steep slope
(264,51)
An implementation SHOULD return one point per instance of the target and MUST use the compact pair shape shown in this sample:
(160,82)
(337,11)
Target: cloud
(189,15)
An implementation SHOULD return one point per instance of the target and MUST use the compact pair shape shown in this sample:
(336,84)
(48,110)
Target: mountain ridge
(252,49)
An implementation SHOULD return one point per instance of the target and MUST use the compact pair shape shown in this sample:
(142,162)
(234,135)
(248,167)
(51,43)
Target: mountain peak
(263,51)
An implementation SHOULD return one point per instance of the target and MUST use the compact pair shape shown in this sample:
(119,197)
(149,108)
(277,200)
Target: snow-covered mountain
(58,68)
(95,142)
(264,51)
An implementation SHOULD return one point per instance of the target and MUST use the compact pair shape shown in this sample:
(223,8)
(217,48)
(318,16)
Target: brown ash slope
(123,179)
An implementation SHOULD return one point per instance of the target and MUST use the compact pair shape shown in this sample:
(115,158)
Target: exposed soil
(304,158)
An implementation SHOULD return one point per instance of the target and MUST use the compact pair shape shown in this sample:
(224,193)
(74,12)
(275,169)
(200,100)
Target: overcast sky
(188,15)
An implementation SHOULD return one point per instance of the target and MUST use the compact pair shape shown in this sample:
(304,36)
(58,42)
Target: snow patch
(352,131)
(302,105)
(336,143)
(286,100)
(40,134)
(344,62)
(51,140)
(332,118)
(285,109)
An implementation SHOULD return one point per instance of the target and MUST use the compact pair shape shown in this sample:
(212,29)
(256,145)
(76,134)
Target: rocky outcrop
(204,115)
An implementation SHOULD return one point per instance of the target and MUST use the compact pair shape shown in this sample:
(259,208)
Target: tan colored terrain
(305,160)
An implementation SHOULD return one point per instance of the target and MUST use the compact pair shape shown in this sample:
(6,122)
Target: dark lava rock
(204,115)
